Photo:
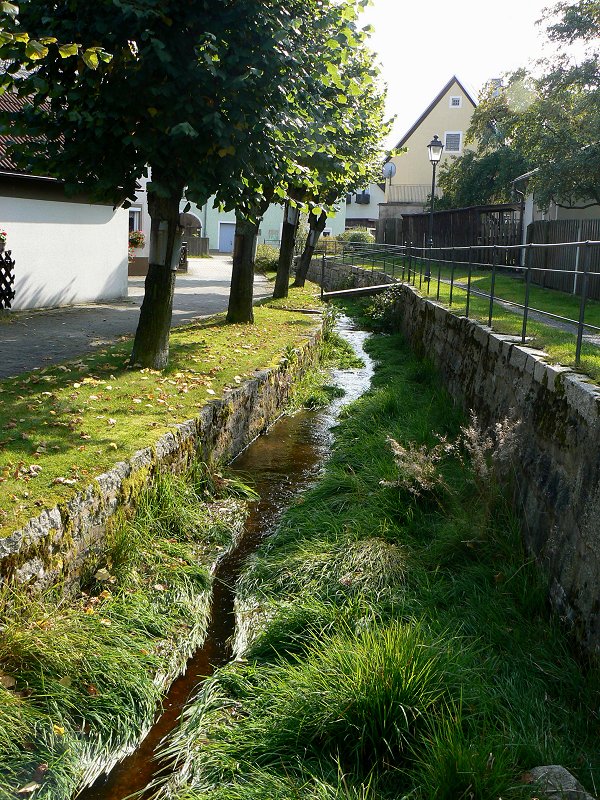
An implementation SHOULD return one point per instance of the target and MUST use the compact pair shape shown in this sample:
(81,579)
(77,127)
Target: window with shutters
(456,102)
(453,142)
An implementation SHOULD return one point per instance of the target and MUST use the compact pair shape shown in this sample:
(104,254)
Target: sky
(422,43)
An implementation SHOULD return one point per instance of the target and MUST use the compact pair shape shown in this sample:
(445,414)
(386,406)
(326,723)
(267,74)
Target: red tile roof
(11,103)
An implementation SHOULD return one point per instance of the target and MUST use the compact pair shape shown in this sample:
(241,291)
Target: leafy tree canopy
(12,33)
(551,117)
(479,179)
(545,120)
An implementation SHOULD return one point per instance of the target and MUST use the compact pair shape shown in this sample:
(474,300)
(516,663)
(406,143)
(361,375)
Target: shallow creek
(278,465)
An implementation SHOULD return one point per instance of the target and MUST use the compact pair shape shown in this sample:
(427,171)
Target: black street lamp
(435,148)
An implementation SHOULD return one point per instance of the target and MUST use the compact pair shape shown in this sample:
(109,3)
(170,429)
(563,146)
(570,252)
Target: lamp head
(435,148)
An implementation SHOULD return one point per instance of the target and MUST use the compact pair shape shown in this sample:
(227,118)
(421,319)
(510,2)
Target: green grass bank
(82,675)
(62,426)
(394,639)
(559,344)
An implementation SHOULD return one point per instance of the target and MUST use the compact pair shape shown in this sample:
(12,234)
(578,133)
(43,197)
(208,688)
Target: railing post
(322,275)
(584,293)
(421,271)
(451,277)
(527,288)
(403,263)
(492,285)
(469,280)
(437,297)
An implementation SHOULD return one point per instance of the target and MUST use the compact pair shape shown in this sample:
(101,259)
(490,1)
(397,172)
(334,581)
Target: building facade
(448,116)
(66,249)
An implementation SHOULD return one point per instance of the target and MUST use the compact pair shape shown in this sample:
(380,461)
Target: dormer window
(456,101)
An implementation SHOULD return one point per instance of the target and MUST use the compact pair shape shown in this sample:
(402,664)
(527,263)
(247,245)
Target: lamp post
(435,148)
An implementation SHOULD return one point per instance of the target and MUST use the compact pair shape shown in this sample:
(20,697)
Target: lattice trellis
(7,278)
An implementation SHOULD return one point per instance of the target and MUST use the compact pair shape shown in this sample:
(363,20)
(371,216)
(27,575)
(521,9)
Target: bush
(267,257)
(356,235)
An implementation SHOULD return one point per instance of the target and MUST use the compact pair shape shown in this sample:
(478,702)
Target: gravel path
(33,339)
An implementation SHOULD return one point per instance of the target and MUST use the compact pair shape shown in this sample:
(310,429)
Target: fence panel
(461,227)
(562,267)
(7,279)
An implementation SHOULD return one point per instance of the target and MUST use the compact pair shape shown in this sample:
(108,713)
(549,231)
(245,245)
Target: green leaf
(184,129)
(90,58)
(67,50)
(9,8)
(35,50)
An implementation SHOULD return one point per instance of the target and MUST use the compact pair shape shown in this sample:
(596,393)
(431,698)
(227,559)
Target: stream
(279,465)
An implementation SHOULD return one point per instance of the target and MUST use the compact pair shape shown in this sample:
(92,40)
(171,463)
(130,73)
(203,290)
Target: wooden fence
(477,225)
(567,262)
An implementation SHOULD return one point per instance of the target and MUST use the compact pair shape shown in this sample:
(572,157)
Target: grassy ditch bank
(81,677)
(560,344)
(394,640)
(63,425)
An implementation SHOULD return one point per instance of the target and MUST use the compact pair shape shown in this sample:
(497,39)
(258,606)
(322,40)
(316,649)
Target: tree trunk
(242,276)
(291,217)
(151,344)
(317,226)
(244,252)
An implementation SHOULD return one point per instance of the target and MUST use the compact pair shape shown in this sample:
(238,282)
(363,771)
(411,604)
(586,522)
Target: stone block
(481,335)
(518,358)
(540,371)
(556,783)
(583,396)
(556,374)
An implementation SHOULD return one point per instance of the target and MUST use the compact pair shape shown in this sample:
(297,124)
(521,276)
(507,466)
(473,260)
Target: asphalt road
(31,339)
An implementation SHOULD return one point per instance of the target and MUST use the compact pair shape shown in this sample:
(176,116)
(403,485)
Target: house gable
(447,116)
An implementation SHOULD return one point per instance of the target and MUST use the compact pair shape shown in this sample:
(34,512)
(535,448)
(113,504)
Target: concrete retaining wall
(56,545)
(558,462)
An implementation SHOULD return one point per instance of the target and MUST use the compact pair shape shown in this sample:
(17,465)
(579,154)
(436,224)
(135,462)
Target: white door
(226,234)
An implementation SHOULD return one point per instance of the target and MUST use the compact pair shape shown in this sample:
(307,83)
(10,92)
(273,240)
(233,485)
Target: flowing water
(278,465)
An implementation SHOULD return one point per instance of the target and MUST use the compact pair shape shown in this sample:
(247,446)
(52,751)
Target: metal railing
(436,267)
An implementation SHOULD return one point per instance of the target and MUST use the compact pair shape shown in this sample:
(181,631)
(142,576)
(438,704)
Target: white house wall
(65,252)
(270,228)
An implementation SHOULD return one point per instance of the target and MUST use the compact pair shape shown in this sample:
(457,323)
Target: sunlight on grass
(62,426)
(559,344)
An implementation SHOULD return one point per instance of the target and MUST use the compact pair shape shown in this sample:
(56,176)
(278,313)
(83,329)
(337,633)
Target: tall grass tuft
(86,673)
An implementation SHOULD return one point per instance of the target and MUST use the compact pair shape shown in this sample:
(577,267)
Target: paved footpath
(38,338)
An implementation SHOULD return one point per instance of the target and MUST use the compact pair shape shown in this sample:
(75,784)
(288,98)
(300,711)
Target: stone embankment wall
(558,459)
(56,545)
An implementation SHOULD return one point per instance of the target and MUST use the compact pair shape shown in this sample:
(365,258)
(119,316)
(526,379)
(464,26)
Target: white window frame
(455,97)
(460,143)
(136,212)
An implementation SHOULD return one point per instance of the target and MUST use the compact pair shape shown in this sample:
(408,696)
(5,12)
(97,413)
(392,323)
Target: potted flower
(3,237)
(136,239)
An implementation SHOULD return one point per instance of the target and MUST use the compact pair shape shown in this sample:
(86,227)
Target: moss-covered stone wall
(557,469)
(55,546)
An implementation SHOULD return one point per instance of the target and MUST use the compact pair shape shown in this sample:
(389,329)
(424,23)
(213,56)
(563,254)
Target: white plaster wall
(356,210)
(65,252)
(270,227)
